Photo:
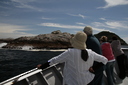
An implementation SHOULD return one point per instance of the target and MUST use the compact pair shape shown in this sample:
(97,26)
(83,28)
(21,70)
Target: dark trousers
(91,83)
(98,79)
(110,73)
(120,62)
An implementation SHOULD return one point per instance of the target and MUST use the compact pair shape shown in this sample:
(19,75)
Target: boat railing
(50,76)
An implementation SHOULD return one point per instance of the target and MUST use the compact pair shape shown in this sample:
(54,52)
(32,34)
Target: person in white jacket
(78,61)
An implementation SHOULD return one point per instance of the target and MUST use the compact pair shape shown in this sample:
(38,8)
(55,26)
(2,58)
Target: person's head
(88,30)
(114,38)
(103,39)
(78,41)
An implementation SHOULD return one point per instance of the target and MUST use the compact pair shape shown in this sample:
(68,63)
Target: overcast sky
(33,17)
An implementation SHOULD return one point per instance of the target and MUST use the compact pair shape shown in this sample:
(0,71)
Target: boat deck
(50,76)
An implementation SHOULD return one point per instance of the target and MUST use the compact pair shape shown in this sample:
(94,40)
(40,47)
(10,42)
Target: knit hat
(88,30)
(79,40)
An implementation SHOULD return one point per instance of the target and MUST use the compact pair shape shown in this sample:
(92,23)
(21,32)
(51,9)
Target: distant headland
(54,40)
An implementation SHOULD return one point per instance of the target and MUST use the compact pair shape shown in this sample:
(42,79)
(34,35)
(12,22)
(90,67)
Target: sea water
(14,62)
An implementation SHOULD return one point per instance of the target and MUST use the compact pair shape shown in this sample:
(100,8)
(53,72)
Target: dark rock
(109,36)
(56,32)
(7,40)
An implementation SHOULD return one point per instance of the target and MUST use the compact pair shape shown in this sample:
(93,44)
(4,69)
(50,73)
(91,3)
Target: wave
(30,48)
(26,47)
(2,44)
(52,50)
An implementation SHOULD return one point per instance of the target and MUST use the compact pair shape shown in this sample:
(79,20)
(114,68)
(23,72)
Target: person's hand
(39,66)
(91,70)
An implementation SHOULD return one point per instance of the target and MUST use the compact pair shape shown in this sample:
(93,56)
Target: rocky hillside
(110,35)
(7,40)
(54,40)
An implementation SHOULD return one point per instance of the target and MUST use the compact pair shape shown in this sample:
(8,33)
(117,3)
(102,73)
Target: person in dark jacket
(94,44)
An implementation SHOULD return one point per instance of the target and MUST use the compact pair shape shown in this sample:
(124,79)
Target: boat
(53,75)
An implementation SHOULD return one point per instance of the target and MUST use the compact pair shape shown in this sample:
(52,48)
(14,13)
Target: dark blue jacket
(93,44)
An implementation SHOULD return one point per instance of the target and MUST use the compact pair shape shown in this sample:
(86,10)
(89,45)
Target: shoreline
(36,49)
(30,48)
(47,50)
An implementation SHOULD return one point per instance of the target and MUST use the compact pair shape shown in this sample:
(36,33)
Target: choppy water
(14,62)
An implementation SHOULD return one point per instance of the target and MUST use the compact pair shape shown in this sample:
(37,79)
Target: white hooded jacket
(76,70)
